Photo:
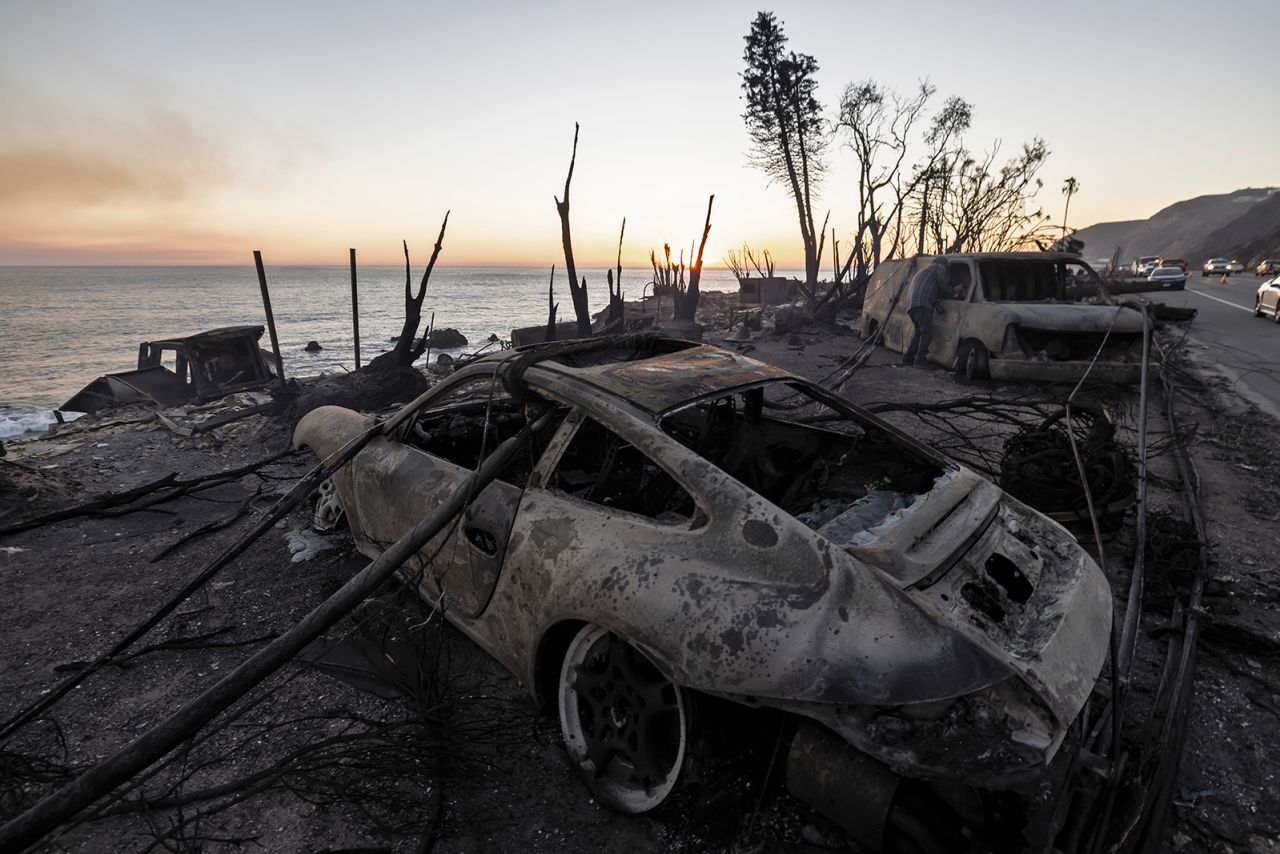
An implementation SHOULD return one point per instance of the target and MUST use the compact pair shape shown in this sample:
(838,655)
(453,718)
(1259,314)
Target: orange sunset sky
(160,132)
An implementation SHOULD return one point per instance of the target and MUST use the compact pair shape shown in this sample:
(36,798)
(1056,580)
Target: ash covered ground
(461,760)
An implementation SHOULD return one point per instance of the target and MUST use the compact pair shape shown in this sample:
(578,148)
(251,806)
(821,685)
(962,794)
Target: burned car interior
(472,420)
(837,475)
(602,467)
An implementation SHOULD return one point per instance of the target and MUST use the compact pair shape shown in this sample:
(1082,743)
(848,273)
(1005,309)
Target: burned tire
(625,725)
(973,362)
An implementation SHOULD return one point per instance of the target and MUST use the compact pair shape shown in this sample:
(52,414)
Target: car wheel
(973,362)
(1204,274)
(625,724)
(1257,308)
(1276,312)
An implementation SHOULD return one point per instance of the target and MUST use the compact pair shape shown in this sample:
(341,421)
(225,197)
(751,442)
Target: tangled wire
(1038,466)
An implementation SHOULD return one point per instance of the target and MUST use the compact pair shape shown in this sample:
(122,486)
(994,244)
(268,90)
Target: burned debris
(1040,467)
(175,371)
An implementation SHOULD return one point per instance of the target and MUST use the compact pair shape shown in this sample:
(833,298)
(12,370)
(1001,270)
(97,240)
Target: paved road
(1245,348)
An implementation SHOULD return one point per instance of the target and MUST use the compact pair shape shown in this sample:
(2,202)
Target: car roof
(677,373)
(1015,256)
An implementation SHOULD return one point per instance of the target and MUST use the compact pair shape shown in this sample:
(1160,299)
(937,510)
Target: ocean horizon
(63,326)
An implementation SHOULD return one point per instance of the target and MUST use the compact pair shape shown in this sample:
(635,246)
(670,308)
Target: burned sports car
(695,524)
(1017,316)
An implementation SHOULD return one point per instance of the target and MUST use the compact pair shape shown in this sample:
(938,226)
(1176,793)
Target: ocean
(61,327)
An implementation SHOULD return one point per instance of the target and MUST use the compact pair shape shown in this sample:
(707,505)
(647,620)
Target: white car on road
(1216,267)
(1268,302)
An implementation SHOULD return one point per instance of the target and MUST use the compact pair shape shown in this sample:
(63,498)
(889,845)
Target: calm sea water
(61,327)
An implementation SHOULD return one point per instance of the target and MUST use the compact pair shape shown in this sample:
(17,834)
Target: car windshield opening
(840,474)
(1037,281)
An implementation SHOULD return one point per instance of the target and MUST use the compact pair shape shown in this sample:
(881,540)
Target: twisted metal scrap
(1039,468)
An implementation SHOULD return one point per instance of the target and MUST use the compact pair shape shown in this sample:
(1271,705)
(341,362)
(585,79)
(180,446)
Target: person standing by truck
(929,287)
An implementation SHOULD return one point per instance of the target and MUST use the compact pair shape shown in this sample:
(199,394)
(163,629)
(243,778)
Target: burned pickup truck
(694,525)
(1040,316)
(175,371)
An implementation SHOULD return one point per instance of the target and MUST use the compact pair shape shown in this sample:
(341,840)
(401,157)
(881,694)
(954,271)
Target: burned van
(1038,316)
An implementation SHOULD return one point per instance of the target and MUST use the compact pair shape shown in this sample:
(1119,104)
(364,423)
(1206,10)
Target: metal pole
(355,308)
(271,320)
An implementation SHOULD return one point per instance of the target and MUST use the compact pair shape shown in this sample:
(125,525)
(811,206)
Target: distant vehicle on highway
(1172,278)
(1268,302)
(1234,266)
(1216,267)
(1173,262)
(1270,267)
(1143,265)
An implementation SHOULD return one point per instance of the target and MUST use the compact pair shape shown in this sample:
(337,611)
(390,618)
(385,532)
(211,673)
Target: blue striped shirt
(930,285)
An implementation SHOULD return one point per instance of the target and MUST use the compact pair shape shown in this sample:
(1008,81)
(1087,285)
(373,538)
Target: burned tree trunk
(686,302)
(406,351)
(577,291)
(552,305)
(617,308)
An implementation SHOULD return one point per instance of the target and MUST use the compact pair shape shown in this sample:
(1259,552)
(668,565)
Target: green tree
(784,120)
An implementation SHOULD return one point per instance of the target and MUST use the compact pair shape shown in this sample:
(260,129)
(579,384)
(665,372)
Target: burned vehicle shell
(1016,316)
(200,367)
(699,522)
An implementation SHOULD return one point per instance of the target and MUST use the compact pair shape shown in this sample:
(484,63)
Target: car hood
(1070,317)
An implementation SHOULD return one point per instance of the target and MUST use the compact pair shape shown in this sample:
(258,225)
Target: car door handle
(482,539)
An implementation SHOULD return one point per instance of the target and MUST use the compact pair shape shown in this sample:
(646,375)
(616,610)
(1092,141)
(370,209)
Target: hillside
(1195,229)
(1251,237)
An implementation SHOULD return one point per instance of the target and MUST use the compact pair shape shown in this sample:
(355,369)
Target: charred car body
(1019,316)
(698,524)
(174,371)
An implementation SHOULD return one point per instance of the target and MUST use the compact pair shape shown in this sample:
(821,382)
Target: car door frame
(459,552)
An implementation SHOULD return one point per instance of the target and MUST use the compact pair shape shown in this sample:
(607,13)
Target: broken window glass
(837,473)
(602,467)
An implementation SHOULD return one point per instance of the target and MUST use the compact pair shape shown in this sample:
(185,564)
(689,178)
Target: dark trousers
(918,352)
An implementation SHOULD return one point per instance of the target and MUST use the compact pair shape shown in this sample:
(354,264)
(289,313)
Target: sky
(139,132)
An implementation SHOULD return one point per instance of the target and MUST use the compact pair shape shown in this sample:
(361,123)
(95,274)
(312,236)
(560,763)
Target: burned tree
(577,290)
(784,120)
(617,307)
(975,206)
(878,125)
(686,301)
(668,275)
(407,351)
(552,305)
